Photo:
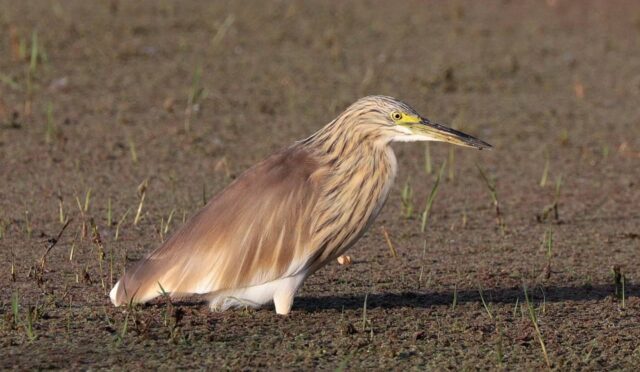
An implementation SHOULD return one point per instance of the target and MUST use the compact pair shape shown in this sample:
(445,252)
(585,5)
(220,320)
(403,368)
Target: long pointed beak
(438,132)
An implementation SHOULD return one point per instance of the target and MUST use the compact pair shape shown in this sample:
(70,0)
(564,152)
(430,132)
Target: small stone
(344,260)
(169,104)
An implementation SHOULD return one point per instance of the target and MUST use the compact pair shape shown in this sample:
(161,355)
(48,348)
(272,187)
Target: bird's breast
(353,195)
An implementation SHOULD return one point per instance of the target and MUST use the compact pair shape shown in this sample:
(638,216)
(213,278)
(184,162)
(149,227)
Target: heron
(281,220)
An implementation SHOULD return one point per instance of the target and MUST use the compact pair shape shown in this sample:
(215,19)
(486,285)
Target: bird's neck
(338,142)
(360,172)
(351,153)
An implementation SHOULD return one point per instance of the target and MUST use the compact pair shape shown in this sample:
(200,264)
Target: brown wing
(255,231)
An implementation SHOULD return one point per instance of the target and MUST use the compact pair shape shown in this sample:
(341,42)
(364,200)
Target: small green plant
(69,312)
(50,129)
(52,243)
(111,268)
(96,239)
(619,280)
(548,245)
(123,331)
(564,136)
(454,303)
(13,266)
(120,222)
(71,250)
(37,54)
(109,213)
(424,253)
(196,93)
(222,30)
(499,347)
(167,309)
(28,229)
(406,198)
(171,315)
(392,249)
(61,214)
(28,327)
(554,206)
(139,212)
(22,49)
(87,201)
(30,317)
(491,186)
(364,312)
(451,170)
(543,306)
(593,344)
(484,303)
(15,308)
(428,169)
(164,227)
(431,198)
(545,171)
(142,193)
(130,312)
(83,212)
(10,82)
(344,364)
(534,321)
(622,282)
(169,219)
(132,149)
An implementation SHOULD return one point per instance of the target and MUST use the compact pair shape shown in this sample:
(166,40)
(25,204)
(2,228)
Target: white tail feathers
(120,296)
(113,294)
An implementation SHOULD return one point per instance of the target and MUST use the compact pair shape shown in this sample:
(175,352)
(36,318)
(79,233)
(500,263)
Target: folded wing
(255,231)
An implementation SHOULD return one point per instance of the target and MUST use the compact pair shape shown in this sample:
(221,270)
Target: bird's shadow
(426,299)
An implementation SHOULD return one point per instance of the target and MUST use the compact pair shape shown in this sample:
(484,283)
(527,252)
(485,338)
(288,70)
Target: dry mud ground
(92,101)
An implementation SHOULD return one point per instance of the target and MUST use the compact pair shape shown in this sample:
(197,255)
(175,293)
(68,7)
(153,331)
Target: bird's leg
(283,296)
(283,301)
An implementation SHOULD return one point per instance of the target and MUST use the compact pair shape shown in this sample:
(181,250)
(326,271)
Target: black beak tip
(484,146)
(477,143)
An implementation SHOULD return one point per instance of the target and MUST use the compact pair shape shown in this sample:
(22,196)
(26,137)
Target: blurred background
(124,116)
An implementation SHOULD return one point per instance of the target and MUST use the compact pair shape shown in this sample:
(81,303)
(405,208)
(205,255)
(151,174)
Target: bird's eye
(396,116)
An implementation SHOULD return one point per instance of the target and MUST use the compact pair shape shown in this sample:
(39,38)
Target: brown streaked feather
(282,219)
(253,232)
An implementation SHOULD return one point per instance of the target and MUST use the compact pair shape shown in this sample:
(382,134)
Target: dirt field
(97,97)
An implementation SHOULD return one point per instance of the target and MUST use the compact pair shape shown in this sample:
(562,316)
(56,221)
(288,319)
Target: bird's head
(395,121)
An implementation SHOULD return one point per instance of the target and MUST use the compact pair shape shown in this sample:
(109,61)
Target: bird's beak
(438,132)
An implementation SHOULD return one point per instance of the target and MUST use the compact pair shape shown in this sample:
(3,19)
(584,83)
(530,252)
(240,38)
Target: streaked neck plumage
(361,167)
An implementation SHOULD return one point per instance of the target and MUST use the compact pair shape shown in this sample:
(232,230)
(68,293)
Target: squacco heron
(287,216)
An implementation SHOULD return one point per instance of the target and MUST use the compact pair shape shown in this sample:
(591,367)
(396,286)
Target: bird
(281,220)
